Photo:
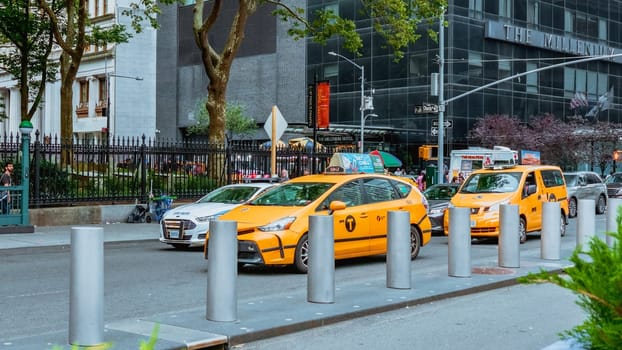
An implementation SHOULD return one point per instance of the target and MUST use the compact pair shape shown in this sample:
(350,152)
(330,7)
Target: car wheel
(572,207)
(522,230)
(415,242)
(180,246)
(301,257)
(148,219)
(562,223)
(601,205)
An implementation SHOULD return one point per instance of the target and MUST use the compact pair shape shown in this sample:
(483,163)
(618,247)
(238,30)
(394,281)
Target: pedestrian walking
(6,181)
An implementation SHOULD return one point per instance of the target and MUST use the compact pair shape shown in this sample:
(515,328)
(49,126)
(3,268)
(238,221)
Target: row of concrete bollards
(86,318)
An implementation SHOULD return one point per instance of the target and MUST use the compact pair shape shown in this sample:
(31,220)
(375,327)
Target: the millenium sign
(526,36)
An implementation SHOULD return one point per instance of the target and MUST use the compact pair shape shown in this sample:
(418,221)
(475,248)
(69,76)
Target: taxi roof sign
(354,163)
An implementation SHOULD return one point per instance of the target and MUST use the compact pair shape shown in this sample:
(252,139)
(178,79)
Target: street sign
(446,123)
(434,131)
(426,108)
(281,124)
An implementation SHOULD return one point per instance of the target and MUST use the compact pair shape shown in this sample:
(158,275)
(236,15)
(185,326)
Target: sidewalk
(272,315)
(61,235)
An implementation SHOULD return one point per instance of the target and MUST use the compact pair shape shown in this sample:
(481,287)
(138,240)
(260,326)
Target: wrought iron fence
(122,170)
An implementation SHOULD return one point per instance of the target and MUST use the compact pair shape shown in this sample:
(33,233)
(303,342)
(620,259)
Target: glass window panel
(505,8)
(569,79)
(602,83)
(592,84)
(331,70)
(581,80)
(475,8)
(533,12)
(569,21)
(475,59)
(602,29)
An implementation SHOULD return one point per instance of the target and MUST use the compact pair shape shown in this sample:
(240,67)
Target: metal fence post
(586,222)
(612,219)
(86,292)
(321,263)
(222,271)
(459,242)
(509,236)
(550,237)
(398,250)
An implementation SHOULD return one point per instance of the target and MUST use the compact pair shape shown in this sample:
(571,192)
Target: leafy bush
(596,278)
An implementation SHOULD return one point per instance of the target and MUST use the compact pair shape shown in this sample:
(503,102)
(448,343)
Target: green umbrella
(389,160)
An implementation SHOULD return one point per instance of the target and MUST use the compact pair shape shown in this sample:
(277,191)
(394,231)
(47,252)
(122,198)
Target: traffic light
(425,152)
(616,155)
(428,152)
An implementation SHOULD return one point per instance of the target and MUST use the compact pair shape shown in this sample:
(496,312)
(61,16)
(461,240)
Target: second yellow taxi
(273,228)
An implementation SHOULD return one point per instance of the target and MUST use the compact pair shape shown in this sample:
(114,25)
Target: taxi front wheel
(301,257)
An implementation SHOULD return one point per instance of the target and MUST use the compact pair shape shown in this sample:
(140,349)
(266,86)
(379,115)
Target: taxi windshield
(491,183)
(229,195)
(293,194)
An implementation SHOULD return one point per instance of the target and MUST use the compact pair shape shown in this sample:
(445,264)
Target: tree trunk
(66,112)
(216,107)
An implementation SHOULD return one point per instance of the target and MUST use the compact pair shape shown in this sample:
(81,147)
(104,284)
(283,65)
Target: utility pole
(440,171)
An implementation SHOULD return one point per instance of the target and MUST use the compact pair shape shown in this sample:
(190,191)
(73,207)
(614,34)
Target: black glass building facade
(485,41)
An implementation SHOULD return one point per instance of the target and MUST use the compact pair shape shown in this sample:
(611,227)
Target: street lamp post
(372,115)
(362,68)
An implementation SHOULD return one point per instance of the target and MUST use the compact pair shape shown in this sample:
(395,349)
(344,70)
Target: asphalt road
(149,278)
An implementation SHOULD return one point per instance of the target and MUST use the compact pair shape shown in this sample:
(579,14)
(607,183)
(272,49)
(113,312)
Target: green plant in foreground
(596,277)
(144,345)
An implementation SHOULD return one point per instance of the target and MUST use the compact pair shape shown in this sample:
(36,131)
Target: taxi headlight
(496,206)
(450,205)
(210,217)
(619,191)
(278,225)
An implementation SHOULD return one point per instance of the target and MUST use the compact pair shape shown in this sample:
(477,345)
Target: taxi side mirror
(336,205)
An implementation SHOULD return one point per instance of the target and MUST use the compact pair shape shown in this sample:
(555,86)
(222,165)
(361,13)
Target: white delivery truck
(467,160)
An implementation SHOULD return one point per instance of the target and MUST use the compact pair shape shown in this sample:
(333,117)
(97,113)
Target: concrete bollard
(222,272)
(550,237)
(586,222)
(509,236)
(459,242)
(398,250)
(321,263)
(612,219)
(86,292)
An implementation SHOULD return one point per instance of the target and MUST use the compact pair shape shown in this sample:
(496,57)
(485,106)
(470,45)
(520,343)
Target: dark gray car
(614,185)
(585,185)
(438,197)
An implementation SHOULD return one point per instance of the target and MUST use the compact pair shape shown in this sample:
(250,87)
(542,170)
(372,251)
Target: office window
(331,70)
(580,80)
(103,90)
(475,9)
(533,12)
(531,80)
(475,59)
(602,29)
(569,21)
(505,8)
(84,91)
(569,79)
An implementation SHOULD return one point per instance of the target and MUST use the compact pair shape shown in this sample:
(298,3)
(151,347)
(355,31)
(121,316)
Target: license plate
(173,234)
(473,223)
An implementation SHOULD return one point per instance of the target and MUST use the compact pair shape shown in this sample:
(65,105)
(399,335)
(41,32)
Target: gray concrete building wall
(267,72)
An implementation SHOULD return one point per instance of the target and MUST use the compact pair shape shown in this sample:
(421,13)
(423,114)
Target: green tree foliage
(236,120)
(596,277)
(27,37)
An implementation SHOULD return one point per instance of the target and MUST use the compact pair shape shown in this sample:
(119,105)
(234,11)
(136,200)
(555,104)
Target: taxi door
(351,225)
(531,203)
(381,197)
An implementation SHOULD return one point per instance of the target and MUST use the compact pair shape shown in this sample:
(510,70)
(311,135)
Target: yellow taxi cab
(524,185)
(273,228)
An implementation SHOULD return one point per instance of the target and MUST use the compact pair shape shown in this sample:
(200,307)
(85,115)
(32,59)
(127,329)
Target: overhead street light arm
(588,59)
(333,53)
